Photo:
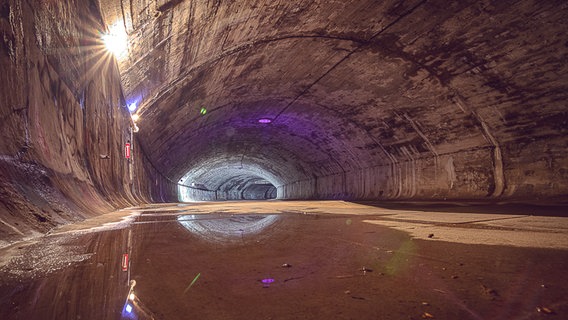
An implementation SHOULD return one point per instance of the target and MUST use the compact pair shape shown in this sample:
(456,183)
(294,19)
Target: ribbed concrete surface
(368,100)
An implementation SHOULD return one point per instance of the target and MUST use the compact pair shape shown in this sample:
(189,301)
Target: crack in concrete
(494,219)
(472,224)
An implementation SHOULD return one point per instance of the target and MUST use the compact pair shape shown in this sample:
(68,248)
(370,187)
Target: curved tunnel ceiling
(348,85)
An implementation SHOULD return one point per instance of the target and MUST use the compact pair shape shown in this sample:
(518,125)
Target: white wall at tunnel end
(189,194)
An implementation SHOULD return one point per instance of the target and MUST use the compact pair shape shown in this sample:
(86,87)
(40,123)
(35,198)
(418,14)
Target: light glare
(116,40)
(132,107)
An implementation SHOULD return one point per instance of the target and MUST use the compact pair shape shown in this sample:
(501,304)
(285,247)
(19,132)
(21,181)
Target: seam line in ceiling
(359,47)
(181,78)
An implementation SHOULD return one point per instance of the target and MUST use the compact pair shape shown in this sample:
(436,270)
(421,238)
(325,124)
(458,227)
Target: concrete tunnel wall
(63,123)
(367,100)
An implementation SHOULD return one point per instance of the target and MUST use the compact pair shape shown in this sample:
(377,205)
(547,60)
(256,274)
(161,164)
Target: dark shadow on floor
(558,210)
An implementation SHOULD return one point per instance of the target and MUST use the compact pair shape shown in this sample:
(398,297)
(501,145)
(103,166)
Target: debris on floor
(488,291)
(545,310)
(426,315)
(365,270)
(286,265)
(431,235)
(344,276)
(293,278)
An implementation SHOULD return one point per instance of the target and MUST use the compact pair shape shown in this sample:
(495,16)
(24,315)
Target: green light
(192,282)
(203,111)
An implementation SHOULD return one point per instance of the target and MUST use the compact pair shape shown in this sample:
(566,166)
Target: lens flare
(116,40)
(400,260)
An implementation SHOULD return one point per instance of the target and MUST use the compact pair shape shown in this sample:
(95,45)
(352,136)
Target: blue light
(132,107)
(128,308)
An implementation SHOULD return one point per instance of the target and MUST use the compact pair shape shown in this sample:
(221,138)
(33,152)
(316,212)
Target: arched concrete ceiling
(348,85)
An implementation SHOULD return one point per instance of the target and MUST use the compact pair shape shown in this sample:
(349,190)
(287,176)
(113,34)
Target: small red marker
(124,263)
(127,150)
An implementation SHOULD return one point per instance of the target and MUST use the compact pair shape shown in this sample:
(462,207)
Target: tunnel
(289,109)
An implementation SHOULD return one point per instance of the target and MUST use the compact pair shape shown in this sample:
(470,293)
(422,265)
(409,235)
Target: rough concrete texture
(64,125)
(366,100)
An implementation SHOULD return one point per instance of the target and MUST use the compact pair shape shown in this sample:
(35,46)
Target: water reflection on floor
(296,260)
(226,229)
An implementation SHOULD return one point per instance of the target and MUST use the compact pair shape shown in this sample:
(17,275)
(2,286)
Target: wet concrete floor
(291,260)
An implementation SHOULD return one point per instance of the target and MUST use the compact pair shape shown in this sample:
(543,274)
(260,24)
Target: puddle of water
(219,229)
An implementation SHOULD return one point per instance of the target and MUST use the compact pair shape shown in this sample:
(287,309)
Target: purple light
(128,308)
(267,281)
(264,120)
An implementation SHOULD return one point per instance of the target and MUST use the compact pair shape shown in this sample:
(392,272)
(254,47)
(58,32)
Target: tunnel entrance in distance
(259,191)
(237,187)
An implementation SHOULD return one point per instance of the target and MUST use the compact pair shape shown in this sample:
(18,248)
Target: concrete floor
(295,260)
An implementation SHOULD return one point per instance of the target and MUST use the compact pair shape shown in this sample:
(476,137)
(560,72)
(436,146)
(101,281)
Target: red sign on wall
(127,150)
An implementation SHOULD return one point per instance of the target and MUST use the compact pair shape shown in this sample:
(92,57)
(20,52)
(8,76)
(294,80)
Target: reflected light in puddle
(226,229)
(266,282)
(134,308)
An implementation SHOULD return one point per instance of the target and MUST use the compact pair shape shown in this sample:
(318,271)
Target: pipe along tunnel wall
(369,105)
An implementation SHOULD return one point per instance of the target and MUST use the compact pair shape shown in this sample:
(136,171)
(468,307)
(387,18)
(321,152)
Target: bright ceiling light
(132,107)
(135,117)
(116,40)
